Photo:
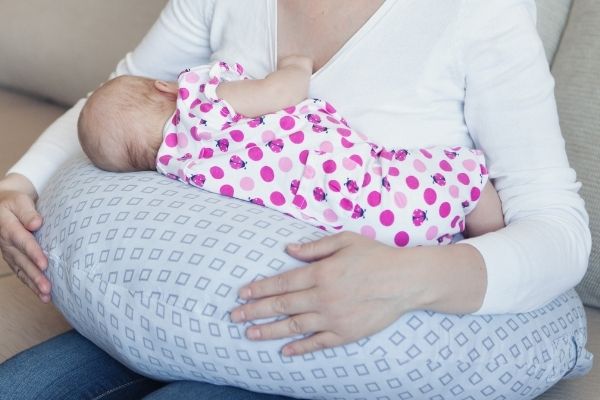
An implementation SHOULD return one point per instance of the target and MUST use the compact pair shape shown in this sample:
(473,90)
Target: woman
(470,72)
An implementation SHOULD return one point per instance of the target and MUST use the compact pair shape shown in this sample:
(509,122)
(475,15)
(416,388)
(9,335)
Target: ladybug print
(358,212)
(294,186)
(276,145)
(313,118)
(223,145)
(419,216)
(439,179)
(256,122)
(320,129)
(237,163)
(351,186)
(401,154)
(451,154)
(199,180)
(256,200)
(319,194)
(271,168)
(374,151)
(176,118)
(386,183)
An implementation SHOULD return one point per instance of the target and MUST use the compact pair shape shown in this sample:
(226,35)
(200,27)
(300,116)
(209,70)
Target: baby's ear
(169,89)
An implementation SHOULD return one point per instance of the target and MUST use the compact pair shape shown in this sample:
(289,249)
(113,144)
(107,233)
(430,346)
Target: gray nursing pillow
(149,268)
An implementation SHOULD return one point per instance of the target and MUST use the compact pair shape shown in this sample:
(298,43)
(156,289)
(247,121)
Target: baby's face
(121,125)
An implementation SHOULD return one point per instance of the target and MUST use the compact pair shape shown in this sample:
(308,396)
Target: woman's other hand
(18,219)
(353,287)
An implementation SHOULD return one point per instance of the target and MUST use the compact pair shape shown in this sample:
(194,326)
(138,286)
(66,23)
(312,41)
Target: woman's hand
(18,219)
(353,288)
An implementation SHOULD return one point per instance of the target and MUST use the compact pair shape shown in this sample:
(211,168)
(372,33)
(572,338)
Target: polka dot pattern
(307,162)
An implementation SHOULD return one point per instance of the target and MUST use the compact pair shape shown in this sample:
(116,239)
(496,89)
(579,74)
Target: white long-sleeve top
(452,72)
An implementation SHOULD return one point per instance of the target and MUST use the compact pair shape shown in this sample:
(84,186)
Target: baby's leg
(487,215)
(409,197)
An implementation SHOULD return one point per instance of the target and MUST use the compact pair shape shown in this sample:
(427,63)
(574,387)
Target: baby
(264,141)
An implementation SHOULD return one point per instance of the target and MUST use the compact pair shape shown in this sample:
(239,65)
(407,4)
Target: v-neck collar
(361,32)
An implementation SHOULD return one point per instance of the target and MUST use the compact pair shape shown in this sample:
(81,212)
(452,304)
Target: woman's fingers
(288,304)
(24,210)
(296,325)
(314,342)
(22,252)
(25,243)
(14,234)
(321,248)
(28,273)
(290,281)
(300,278)
(33,273)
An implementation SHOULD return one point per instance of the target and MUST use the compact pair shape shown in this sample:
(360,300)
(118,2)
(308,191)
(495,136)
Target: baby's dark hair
(111,125)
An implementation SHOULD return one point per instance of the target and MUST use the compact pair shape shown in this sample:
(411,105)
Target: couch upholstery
(66,33)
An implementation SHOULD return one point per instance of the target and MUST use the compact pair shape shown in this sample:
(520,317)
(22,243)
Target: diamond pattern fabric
(149,268)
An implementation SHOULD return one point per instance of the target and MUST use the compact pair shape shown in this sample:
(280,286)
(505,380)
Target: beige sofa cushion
(552,18)
(70,46)
(62,49)
(576,69)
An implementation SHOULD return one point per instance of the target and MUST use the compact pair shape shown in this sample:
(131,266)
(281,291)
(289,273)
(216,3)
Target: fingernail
(294,246)
(288,352)
(253,333)
(245,293)
(239,317)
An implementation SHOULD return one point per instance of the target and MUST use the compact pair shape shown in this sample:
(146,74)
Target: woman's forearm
(453,278)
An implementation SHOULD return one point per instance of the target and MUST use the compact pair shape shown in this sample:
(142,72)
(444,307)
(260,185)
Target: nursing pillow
(148,269)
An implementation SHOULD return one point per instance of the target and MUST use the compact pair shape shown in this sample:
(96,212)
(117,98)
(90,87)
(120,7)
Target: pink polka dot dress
(307,162)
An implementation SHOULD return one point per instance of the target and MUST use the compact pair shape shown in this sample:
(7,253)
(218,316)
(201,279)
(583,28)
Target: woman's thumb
(25,211)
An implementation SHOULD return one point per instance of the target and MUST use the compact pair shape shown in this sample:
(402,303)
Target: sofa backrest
(63,49)
(577,72)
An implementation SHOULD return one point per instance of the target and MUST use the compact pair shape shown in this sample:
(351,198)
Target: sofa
(68,47)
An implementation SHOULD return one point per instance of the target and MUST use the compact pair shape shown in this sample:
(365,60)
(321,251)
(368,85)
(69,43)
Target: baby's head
(121,124)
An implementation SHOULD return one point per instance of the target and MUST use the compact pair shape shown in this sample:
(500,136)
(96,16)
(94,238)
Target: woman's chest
(319,29)
(395,79)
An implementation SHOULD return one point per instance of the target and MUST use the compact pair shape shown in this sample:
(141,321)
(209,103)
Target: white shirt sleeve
(511,114)
(179,39)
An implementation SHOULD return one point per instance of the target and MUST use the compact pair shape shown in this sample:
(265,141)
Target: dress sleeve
(511,114)
(178,39)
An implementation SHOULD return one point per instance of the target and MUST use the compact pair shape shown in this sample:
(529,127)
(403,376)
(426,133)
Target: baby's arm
(487,215)
(285,87)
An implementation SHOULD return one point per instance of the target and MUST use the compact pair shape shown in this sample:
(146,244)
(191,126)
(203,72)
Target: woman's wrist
(18,183)
(453,278)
